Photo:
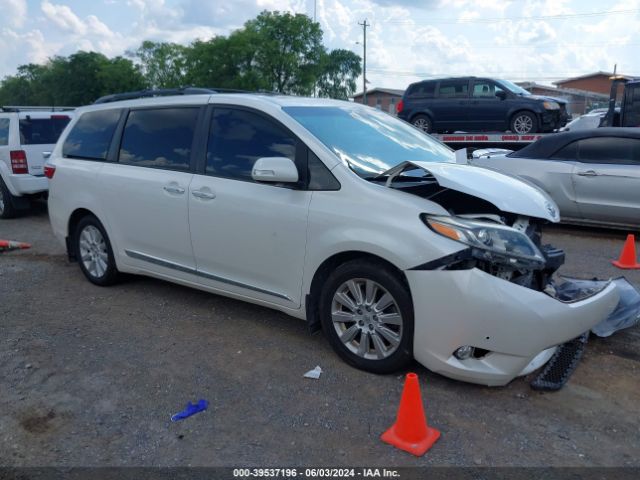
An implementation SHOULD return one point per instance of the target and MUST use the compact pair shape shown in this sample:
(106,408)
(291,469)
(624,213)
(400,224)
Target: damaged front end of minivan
(507,313)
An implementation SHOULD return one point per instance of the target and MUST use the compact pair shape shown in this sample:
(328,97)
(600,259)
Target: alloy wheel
(523,124)
(1,201)
(93,251)
(367,319)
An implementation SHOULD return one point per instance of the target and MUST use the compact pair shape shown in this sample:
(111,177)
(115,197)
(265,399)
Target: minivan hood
(548,99)
(507,193)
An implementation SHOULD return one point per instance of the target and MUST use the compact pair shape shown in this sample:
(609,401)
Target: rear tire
(524,123)
(423,122)
(94,253)
(366,313)
(7,210)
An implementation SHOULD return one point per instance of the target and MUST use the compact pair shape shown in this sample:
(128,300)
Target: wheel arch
(423,113)
(328,265)
(75,217)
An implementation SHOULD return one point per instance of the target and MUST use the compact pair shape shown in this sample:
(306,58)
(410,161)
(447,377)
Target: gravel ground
(89,377)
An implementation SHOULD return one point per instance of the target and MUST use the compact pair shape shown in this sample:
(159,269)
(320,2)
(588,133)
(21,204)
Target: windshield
(367,140)
(513,87)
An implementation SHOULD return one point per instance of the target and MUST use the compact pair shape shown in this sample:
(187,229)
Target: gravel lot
(89,376)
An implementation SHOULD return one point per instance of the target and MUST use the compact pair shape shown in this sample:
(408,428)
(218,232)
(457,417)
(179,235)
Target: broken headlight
(489,242)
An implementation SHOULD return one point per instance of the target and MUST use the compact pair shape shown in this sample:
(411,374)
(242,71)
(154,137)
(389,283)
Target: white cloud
(428,38)
(14,12)
(63,17)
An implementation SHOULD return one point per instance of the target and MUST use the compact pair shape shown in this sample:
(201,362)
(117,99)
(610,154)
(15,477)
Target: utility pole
(364,61)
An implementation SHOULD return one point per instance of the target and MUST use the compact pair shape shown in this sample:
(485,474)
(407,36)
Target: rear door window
(42,131)
(453,89)
(161,138)
(4,131)
(91,135)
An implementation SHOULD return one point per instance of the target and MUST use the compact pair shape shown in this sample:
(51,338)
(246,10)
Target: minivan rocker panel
(396,251)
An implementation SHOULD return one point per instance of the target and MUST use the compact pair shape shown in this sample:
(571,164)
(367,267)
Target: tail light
(49,170)
(399,106)
(19,161)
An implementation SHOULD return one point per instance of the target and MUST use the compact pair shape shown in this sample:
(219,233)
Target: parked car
(27,136)
(307,206)
(593,175)
(479,104)
(593,119)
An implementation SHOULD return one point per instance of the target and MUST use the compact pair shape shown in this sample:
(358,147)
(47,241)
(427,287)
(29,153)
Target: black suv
(479,104)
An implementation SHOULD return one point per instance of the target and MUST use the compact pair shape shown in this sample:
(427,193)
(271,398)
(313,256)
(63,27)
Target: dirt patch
(38,424)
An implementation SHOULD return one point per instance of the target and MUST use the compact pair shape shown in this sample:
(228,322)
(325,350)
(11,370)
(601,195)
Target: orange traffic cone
(411,432)
(7,245)
(628,257)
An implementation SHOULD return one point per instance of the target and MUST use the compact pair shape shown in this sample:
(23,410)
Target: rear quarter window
(91,136)
(4,131)
(42,131)
(422,90)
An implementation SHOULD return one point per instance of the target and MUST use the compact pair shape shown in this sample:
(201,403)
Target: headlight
(490,242)
(551,106)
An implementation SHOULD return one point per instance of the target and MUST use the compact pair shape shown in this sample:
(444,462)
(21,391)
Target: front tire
(524,123)
(93,251)
(367,315)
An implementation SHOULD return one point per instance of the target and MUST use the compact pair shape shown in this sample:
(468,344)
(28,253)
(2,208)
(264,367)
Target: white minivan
(329,211)
(27,137)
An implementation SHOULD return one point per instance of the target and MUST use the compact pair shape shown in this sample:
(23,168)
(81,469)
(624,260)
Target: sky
(408,40)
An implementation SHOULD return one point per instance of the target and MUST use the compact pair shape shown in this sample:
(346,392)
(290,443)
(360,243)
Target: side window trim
(114,148)
(117,145)
(300,147)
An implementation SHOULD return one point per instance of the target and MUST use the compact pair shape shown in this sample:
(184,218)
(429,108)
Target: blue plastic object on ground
(190,409)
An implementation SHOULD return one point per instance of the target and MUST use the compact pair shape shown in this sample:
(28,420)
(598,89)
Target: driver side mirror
(275,170)
(501,94)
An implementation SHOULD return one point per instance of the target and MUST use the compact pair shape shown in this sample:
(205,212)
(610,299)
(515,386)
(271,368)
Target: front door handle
(204,195)
(173,189)
(588,173)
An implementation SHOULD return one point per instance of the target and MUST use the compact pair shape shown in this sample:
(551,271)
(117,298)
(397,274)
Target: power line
(553,45)
(399,73)
(562,16)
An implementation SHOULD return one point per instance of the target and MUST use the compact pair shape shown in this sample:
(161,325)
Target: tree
(224,62)
(339,72)
(163,64)
(288,51)
(75,80)
(121,75)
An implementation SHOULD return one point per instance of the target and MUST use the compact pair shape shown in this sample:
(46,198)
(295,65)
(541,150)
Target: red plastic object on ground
(7,245)
(628,258)
(411,432)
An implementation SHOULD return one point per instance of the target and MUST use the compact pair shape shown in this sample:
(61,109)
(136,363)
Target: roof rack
(162,92)
(26,108)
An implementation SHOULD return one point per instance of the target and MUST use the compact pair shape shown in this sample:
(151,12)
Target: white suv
(329,211)
(27,136)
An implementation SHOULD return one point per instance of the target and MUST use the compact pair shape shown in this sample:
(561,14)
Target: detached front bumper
(518,326)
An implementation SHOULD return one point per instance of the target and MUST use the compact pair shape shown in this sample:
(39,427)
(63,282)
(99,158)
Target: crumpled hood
(507,193)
